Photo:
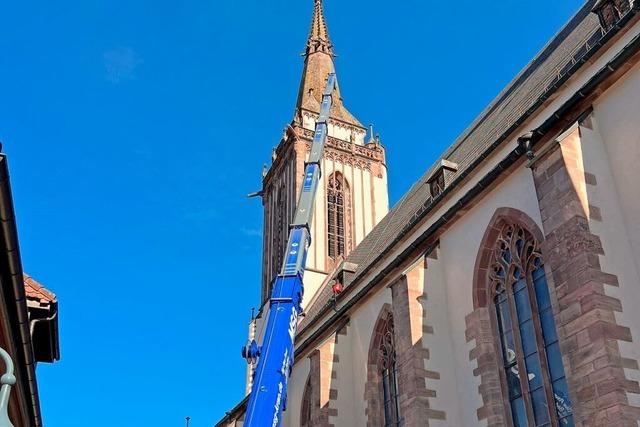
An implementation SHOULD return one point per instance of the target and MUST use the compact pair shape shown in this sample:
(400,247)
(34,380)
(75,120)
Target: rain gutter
(13,294)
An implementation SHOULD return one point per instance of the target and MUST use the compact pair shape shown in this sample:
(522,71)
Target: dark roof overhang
(13,298)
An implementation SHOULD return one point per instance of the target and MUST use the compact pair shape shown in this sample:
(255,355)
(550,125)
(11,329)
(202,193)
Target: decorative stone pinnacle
(319,40)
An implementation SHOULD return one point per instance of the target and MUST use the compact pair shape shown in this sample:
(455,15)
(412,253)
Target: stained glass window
(535,380)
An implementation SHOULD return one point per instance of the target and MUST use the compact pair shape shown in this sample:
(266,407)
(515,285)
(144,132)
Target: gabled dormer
(610,11)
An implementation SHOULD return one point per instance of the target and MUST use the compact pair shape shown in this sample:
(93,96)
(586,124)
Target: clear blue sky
(134,130)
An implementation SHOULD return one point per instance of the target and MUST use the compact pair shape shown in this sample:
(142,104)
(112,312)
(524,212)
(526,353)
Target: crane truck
(275,355)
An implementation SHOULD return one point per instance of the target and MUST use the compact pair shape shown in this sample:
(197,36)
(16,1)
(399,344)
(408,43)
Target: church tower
(352,195)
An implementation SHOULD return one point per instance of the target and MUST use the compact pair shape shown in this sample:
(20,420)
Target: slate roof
(539,77)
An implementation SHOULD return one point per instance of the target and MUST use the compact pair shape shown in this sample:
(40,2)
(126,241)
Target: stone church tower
(352,196)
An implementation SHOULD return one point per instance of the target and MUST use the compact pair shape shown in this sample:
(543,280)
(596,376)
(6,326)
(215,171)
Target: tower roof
(318,63)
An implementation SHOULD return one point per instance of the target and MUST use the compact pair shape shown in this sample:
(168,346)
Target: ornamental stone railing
(372,152)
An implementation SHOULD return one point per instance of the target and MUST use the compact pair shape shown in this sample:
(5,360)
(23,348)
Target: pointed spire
(318,64)
(319,40)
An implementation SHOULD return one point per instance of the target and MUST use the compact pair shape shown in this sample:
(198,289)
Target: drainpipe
(6,381)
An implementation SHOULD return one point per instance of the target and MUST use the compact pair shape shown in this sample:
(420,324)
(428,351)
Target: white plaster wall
(359,210)
(313,281)
(616,116)
(458,250)
(611,151)
(344,383)
(367,199)
(440,345)
(381,196)
(346,133)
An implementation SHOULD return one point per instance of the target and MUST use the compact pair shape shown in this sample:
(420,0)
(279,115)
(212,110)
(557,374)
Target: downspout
(34,322)
(52,320)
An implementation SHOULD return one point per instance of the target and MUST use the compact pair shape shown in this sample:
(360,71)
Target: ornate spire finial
(319,34)
(318,63)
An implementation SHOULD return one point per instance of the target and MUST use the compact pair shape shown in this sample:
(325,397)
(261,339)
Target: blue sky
(134,130)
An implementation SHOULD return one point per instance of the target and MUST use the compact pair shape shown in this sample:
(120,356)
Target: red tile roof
(35,291)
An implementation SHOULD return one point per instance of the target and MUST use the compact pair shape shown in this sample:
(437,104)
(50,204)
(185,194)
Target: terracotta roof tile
(35,291)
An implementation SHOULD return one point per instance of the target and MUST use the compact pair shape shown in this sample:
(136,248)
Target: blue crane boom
(275,356)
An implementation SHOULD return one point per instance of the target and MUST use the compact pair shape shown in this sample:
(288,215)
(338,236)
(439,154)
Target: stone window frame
(373,387)
(502,276)
(388,369)
(343,188)
(482,323)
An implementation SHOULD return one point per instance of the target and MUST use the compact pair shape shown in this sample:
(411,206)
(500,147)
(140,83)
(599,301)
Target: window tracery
(533,371)
(389,373)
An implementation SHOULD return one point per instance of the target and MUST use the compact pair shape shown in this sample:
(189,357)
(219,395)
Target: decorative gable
(442,177)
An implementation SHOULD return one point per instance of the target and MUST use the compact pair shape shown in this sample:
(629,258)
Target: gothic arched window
(338,216)
(533,371)
(305,414)
(388,372)
(281,229)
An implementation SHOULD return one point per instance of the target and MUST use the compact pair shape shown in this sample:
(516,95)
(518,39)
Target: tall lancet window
(338,216)
(389,373)
(533,372)
(281,226)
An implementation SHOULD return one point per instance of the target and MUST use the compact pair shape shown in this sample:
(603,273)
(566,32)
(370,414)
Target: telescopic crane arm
(275,355)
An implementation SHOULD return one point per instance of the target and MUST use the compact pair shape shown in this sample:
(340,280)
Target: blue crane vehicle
(275,356)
